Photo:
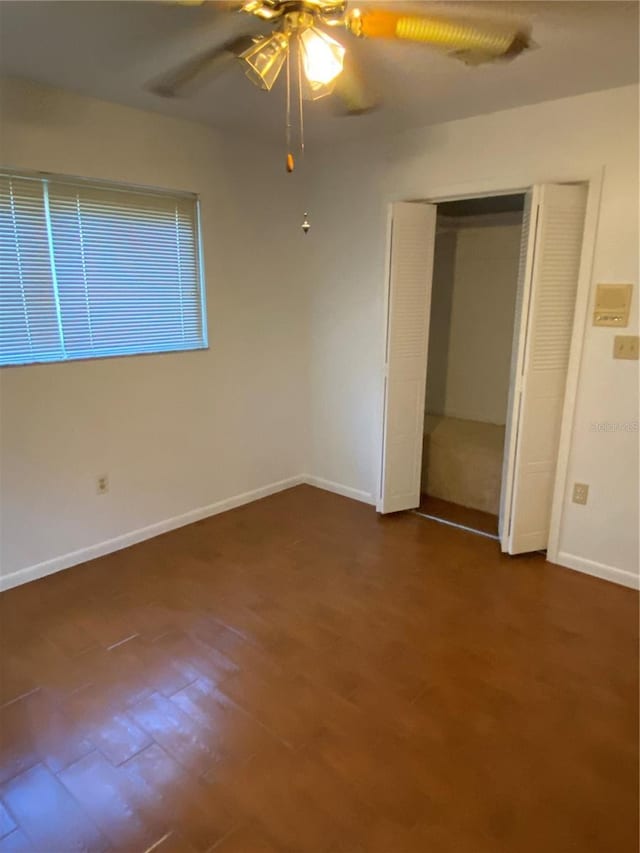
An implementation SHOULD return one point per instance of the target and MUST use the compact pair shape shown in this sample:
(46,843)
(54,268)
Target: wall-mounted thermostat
(613,302)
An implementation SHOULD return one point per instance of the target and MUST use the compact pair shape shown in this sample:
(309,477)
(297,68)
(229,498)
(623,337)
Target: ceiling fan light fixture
(266,11)
(265,59)
(315,91)
(322,57)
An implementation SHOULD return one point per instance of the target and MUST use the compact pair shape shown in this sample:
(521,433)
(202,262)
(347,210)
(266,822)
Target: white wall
(569,139)
(472,346)
(174,432)
(180,432)
(444,265)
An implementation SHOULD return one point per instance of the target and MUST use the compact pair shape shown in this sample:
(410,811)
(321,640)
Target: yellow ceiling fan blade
(458,37)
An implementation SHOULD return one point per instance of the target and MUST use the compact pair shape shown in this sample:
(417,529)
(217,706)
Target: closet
(480,313)
(475,277)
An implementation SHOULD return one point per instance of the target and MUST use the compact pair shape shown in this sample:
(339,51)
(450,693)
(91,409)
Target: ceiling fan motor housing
(271,10)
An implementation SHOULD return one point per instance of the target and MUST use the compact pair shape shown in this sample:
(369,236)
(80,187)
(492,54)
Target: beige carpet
(462,462)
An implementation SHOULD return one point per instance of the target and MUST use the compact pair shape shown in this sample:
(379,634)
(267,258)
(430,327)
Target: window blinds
(93,270)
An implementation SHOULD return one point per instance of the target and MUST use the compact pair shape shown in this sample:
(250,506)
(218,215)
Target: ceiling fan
(318,64)
(324,66)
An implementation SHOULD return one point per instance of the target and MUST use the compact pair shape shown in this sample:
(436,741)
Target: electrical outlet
(102,484)
(580,493)
(625,346)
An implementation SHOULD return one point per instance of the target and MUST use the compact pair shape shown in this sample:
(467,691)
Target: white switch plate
(626,346)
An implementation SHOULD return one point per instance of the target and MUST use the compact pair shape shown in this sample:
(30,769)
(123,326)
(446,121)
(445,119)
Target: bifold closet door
(412,239)
(552,248)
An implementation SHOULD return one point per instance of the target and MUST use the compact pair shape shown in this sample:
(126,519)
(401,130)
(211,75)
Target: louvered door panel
(554,268)
(410,273)
(527,244)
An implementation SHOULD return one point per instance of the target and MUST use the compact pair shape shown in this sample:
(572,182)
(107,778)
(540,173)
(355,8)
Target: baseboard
(339,489)
(48,567)
(65,561)
(598,570)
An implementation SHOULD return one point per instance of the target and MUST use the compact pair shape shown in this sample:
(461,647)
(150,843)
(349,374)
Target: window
(90,270)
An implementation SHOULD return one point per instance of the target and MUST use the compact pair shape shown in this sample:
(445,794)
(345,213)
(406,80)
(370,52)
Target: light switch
(626,346)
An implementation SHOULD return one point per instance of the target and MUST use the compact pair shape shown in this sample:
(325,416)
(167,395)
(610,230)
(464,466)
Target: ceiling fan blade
(199,69)
(468,41)
(353,95)
(220,5)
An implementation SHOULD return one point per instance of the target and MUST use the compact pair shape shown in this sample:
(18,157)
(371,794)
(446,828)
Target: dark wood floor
(485,522)
(299,675)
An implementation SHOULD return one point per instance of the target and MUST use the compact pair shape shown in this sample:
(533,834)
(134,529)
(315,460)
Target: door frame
(495,187)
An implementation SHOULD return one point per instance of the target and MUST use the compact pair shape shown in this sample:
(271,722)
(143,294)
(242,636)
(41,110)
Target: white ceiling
(111,49)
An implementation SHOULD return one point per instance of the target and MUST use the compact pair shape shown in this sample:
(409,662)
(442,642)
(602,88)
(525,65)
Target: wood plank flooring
(302,676)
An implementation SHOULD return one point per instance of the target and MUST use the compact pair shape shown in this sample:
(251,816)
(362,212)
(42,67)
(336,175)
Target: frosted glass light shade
(265,59)
(322,57)
(315,91)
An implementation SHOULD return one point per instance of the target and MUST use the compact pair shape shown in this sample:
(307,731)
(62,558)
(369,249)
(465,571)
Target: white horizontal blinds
(127,271)
(29,327)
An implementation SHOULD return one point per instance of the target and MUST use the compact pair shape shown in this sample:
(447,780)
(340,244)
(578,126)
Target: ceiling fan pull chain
(300,95)
(306,225)
(290,162)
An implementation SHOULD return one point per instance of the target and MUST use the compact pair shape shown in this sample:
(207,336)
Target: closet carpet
(302,676)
